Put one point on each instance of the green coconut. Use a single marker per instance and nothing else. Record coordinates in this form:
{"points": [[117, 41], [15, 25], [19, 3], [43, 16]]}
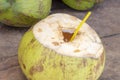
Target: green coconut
{"points": [[81, 4], [45, 52], [23, 13]]}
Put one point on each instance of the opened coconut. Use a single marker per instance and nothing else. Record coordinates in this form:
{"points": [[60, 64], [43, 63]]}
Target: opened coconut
{"points": [[45, 52]]}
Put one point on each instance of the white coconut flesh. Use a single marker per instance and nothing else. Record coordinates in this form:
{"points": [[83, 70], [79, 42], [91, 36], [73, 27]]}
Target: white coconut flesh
{"points": [[55, 31]]}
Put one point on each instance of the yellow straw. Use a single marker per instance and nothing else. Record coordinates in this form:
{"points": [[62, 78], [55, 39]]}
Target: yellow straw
{"points": [[80, 25]]}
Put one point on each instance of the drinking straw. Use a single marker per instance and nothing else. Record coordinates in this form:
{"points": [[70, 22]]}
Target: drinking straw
{"points": [[80, 25]]}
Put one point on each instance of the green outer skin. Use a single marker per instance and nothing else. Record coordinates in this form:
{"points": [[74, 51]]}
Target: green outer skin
{"points": [[40, 63], [23, 13], [81, 4]]}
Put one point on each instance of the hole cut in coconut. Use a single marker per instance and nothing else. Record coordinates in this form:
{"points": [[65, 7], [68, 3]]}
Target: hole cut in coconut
{"points": [[67, 34]]}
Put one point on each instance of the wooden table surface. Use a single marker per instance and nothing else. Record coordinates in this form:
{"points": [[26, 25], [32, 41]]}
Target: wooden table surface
{"points": [[105, 19]]}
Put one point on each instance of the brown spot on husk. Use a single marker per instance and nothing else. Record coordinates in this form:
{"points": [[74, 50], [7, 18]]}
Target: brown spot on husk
{"points": [[97, 67], [100, 63], [29, 79], [55, 43], [62, 65], [36, 68], [24, 66], [77, 50], [39, 30], [90, 77], [102, 58], [84, 62], [32, 41]]}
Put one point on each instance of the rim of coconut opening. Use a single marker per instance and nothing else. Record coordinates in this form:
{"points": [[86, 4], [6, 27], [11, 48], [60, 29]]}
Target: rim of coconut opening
{"points": [[49, 32]]}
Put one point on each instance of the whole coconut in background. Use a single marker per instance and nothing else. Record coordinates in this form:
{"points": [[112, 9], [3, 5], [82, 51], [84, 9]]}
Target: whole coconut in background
{"points": [[81, 4], [45, 52], [23, 13]]}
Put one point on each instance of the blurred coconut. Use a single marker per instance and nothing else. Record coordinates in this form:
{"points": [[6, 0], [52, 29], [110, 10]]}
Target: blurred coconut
{"points": [[23, 13], [81, 4]]}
